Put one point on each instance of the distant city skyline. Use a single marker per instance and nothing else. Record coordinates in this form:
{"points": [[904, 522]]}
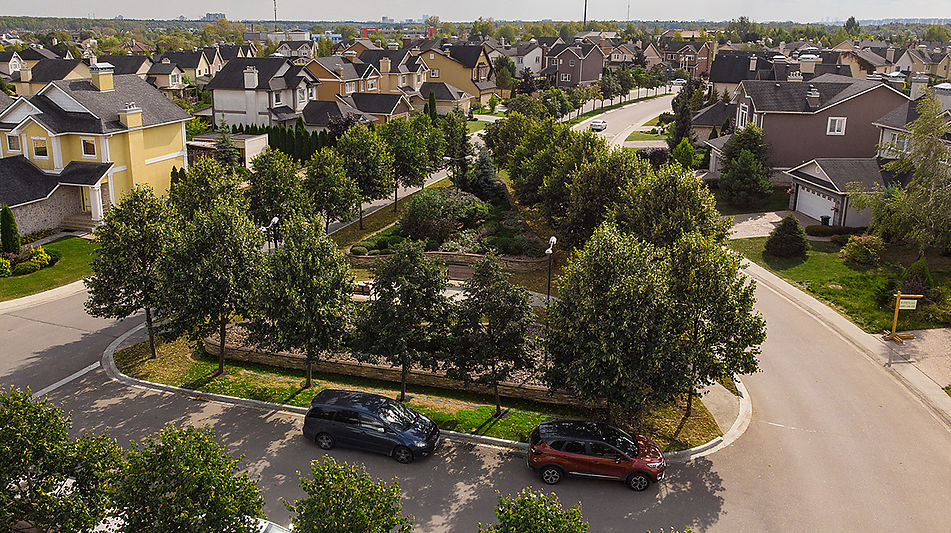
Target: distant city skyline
{"points": [[375, 10]]}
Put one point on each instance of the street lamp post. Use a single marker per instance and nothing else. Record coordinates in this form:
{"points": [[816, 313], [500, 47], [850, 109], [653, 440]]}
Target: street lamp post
{"points": [[267, 232], [469, 158], [549, 252]]}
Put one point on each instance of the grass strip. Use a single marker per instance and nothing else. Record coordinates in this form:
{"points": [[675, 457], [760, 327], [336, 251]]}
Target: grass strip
{"points": [[73, 266]]}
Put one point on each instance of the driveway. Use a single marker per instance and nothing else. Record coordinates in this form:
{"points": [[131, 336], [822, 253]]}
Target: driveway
{"points": [[748, 225]]}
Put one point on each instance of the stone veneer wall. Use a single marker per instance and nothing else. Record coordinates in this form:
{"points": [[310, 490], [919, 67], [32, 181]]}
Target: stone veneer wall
{"points": [[387, 373], [49, 213], [512, 263]]}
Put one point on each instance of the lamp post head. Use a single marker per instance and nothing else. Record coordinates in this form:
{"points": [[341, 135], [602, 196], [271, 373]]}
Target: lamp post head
{"points": [[273, 221], [552, 241]]}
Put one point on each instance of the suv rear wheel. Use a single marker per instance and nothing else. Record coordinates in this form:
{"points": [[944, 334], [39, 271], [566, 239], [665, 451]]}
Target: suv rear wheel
{"points": [[638, 481], [552, 474], [324, 440]]}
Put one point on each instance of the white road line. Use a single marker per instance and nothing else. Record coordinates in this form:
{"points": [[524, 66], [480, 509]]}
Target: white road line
{"points": [[67, 379]]}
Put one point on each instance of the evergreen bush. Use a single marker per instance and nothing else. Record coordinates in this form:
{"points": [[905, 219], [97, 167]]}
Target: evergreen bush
{"points": [[788, 239], [9, 235]]}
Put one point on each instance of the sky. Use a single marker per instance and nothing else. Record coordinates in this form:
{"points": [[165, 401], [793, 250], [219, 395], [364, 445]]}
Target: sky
{"points": [[368, 10]]}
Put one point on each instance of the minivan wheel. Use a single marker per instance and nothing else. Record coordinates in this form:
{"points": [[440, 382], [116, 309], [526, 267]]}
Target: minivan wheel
{"points": [[551, 475], [402, 454], [324, 440], [638, 481]]}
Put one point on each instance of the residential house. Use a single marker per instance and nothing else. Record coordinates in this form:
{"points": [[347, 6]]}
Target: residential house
{"points": [[674, 34], [127, 64], [231, 51], [267, 91], [626, 55], [382, 106], [75, 147], [574, 65], [711, 119], [400, 71], [448, 98], [249, 146], [35, 53], [465, 67], [525, 54], [340, 76], [935, 61], [865, 62], [828, 117], [357, 46], [319, 114], [301, 52], [10, 63], [199, 65], [168, 78], [694, 57], [31, 79], [132, 46], [731, 67]]}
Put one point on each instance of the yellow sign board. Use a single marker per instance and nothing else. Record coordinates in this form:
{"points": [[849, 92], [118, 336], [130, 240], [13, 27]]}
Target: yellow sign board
{"points": [[908, 304]]}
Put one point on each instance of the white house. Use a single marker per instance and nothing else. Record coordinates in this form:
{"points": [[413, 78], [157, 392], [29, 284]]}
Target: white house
{"points": [[268, 91]]}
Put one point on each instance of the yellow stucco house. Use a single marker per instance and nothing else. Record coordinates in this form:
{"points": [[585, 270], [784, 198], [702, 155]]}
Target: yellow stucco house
{"points": [[75, 147], [466, 67]]}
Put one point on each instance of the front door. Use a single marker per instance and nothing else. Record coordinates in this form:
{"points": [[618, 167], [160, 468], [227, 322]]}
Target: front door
{"points": [[84, 195]]}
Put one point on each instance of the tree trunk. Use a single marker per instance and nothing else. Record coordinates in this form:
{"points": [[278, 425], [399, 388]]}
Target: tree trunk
{"points": [[396, 196], [403, 375], [221, 348], [498, 401], [361, 215], [310, 373], [687, 412], [148, 326]]}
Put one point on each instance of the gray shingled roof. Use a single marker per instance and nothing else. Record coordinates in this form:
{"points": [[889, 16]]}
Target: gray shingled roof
{"points": [[734, 67], [714, 115], [350, 71], [5, 101], [718, 143], [466, 54], [866, 171], [124, 63], [377, 103], [36, 54], [184, 58], [231, 76], [53, 69], [83, 173], [901, 116], [320, 112], [790, 96], [22, 182], [160, 69], [580, 50], [443, 90]]}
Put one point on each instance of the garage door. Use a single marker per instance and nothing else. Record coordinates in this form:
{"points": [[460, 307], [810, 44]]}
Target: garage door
{"points": [[812, 204]]}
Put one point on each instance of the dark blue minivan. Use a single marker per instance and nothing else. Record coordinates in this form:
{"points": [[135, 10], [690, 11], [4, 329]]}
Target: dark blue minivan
{"points": [[371, 422]]}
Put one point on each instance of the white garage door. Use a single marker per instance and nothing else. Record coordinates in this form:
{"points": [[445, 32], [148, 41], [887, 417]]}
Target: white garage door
{"points": [[813, 205]]}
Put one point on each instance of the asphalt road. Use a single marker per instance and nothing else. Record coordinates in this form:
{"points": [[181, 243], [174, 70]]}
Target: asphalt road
{"points": [[622, 121]]}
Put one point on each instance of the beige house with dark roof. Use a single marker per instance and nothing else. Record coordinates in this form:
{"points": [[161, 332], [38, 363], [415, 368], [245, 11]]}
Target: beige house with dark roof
{"points": [[465, 67]]}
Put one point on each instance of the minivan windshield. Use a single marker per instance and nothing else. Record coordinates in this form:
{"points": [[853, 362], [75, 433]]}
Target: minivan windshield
{"points": [[398, 416], [623, 442]]}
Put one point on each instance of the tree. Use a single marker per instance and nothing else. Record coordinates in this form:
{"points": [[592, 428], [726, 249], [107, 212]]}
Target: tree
{"points": [[343, 498], [432, 21], [938, 34], [493, 102], [339, 124], [506, 34], [305, 300], [683, 116], [787, 239], [331, 191], [745, 182], [9, 234], [606, 336], [368, 161], [920, 211], [208, 275], [50, 480], [411, 162], [683, 154], [184, 481], [433, 111], [433, 139], [346, 31], [134, 237], [505, 72], [535, 512], [206, 182], [275, 187], [852, 27], [503, 136], [594, 189], [458, 147], [527, 83], [399, 323], [526, 105], [225, 151], [491, 332], [697, 100]]}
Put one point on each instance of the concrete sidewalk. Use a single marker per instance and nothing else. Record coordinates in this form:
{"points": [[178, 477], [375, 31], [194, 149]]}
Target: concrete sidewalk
{"points": [[918, 364]]}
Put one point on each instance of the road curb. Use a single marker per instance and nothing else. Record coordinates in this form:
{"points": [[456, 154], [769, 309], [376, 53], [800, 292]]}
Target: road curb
{"points": [[47, 296], [108, 363]]}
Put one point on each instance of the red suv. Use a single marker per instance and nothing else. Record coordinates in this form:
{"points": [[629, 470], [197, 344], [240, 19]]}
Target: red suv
{"points": [[594, 449]]}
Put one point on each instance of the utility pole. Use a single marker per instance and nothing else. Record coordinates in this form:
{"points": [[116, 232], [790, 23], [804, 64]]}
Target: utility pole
{"points": [[275, 15], [584, 21], [629, 11]]}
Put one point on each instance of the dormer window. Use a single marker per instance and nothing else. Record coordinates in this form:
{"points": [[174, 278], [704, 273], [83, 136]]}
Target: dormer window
{"points": [[13, 143], [350, 87]]}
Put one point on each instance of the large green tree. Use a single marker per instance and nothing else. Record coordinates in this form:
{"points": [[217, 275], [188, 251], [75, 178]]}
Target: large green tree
{"points": [[368, 161], [595, 188], [207, 277], [133, 239], [305, 299], [491, 330], [343, 498], [331, 191], [275, 187], [407, 311], [184, 481], [411, 161], [205, 182], [51, 480], [745, 177], [458, 147], [535, 512]]}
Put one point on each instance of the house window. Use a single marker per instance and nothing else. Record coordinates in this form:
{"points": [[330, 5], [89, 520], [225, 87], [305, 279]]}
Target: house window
{"points": [[571, 63], [566, 76], [432, 56], [301, 94], [403, 80], [89, 147], [371, 85], [836, 126], [13, 143], [743, 116], [434, 73], [173, 79], [311, 93], [351, 87], [277, 98], [39, 148]]}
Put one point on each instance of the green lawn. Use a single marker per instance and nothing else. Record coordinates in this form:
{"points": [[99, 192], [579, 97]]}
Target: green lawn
{"points": [[778, 201], [75, 265], [653, 122], [851, 289], [476, 125], [181, 365], [645, 136]]}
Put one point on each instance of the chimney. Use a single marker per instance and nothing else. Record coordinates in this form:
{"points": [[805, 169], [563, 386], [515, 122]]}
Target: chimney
{"points": [[92, 59], [890, 54], [794, 76], [807, 65], [812, 97], [102, 76], [752, 63], [338, 69], [384, 65], [918, 84], [26, 74], [165, 60], [131, 116], [250, 77]]}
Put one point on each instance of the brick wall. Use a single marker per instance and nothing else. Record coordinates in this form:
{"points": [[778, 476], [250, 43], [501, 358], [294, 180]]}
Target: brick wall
{"points": [[388, 373], [48, 213]]}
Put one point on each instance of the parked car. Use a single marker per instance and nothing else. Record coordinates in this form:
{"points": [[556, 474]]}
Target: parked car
{"points": [[371, 422], [679, 81], [599, 124], [593, 449]]}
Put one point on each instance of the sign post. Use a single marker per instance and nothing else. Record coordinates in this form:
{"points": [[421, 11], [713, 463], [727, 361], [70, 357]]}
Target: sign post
{"points": [[902, 301]]}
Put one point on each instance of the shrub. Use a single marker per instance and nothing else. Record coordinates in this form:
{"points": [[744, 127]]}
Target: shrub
{"points": [[37, 235], [665, 117], [373, 252], [841, 240], [885, 293], [787, 239], [864, 249], [450, 246], [530, 246], [818, 230], [358, 250], [657, 157], [490, 228], [55, 256], [25, 268], [39, 256], [5, 269], [9, 236], [512, 247], [431, 245], [919, 271], [382, 243], [438, 213], [365, 245], [393, 240]]}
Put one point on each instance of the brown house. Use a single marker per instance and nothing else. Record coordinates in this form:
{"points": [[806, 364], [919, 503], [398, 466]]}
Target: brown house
{"points": [[830, 117], [694, 57], [340, 77], [574, 65]]}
